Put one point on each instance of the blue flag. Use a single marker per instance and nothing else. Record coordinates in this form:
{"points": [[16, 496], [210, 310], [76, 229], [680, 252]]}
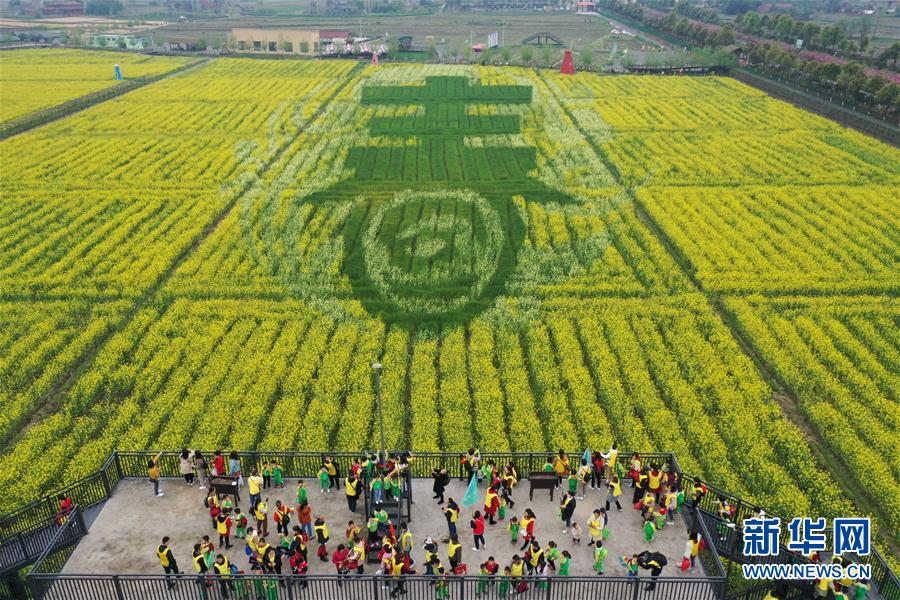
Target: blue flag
{"points": [[472, 496], [587, 455]]}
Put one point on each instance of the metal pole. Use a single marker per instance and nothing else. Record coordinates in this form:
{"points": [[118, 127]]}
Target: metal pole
{"points": [[377, 367]]}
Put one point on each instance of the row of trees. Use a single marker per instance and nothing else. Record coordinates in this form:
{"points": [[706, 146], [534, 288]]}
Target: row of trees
{"points": [[846, 82], [697, 12], [835, 39], [786, 29], [692, 33]]}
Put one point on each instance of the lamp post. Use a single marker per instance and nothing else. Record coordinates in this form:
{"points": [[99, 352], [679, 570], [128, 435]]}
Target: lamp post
{"points": [[377, 368]]}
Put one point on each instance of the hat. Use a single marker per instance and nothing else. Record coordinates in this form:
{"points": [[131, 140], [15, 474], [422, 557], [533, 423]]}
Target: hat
{"points": [[429, 541]]}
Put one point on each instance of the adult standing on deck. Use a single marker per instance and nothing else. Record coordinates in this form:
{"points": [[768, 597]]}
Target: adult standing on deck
{"points": [[566, 509], [222, 569], [254, 486], [199, 559], [167, 560], [186, 466], [153, 473], [451, 513], [441, 481], [201, 468], [351, 487], [234, 468], [561, 466]]}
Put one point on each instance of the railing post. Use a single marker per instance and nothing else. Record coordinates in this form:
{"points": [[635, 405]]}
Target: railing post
{"points": [[376, 586], [79, 518], [118, 586], [290, 587], [118, 464], [636, 587], [21, 538], [106, 488]]}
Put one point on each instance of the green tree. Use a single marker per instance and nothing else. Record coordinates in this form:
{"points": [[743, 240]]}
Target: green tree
{"points": [[889, 56], [587, 59], [887, 95], [505, 54], [527, 55], [725, 36], [852, 78]]}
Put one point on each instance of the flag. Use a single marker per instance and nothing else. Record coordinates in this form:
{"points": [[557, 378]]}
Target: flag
{"points": [[471, 497], [587, 455]]}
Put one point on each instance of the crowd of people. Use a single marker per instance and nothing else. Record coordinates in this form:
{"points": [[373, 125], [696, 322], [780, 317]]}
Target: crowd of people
{"points": [[596, 478], [657, 493]]}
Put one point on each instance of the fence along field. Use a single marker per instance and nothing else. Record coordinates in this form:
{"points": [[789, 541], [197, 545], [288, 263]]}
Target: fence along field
{"points": [[32, 80], [337, 226]]}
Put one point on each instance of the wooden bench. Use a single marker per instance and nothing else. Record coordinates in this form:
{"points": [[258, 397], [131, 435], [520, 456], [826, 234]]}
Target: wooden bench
{"points": [[541, 480]]}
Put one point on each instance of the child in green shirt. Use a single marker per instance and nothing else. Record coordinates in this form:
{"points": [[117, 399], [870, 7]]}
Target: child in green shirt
{"points": [[277, 475], [259, 584], [302, 496], [573, 483], [599, 557], [659, 519], [552, 554], [564, 562], [481, 586], [503, 588], [649, 529], [324, 480], [513, 528], [631, 565], [240, 524], [442, 588], [394, 483], [377, 488]]}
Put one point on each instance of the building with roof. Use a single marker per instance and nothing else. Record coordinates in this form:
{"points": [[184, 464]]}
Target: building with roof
{"points": [[303, 42]]}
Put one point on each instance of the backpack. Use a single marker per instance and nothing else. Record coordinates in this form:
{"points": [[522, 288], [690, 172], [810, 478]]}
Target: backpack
{"points": [[205, 501], [660, 558]]}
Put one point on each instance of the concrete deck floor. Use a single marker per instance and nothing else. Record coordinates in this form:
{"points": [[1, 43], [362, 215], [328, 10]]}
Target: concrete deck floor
{"points": [[123, 537]]}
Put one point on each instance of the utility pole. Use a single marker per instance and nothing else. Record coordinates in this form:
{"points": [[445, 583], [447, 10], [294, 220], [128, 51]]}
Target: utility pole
{"points": [[377, 368]]}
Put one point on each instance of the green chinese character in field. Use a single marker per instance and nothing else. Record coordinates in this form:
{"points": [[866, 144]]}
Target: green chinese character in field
{"points": [[423, 224], [438, 233]]}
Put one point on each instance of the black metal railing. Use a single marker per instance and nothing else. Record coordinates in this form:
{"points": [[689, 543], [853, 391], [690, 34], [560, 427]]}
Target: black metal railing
{"points": [[25, 547], [67, 534], [362, 587], [85, 492], [884, 579]]}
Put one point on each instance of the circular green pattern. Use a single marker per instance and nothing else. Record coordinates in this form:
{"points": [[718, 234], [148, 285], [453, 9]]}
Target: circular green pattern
{"points": [[433, 251]]}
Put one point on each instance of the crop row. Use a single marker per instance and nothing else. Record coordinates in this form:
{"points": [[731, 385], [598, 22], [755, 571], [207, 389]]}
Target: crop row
{"points": [[839, 361], [32, 80], [657, 378], [798, 239]]}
